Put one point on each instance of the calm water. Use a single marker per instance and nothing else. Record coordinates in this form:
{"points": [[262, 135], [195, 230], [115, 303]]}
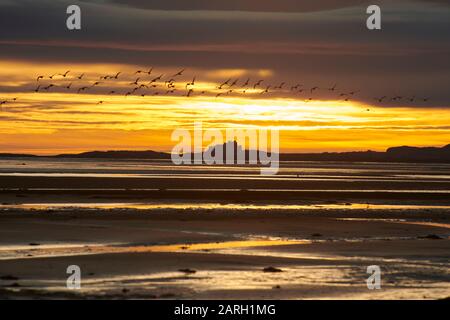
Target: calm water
{"points": [[288, 170], [333, 177]]}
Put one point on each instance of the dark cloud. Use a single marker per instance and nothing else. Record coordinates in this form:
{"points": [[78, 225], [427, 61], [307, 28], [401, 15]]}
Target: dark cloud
{"points": [[250, 5], [411, 53]]}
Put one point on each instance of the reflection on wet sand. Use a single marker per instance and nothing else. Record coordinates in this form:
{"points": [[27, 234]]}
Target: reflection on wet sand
{"points": [[207, 206], [23, 252]]}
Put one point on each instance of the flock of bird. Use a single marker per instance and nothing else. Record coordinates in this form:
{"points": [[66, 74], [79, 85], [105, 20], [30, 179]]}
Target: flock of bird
{"points": [[161, 84]]}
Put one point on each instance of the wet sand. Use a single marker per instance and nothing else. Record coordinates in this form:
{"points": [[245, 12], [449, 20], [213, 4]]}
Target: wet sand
{"points": [[132, 253], [150, 230]]}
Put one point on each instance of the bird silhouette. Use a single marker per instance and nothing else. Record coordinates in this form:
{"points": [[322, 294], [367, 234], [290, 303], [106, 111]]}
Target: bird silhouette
{"points": [[82, 89], [333, 88], [156, 79], [116, 76], [39, 77], [37, 89], [280, 86], [224, 84], [136, 82], [80, 76], [68, 86], [234, 83], [65, 73], [257, 84], [49, 86], [266, 90], [314, 89], [190, 92], [192, 83], [179, 73]]}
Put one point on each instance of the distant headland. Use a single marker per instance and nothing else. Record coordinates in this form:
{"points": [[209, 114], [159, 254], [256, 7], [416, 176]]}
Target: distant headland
{"points": [[394, 154]]}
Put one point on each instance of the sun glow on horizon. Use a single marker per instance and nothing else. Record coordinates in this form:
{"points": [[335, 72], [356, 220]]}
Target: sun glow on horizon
{"points": [[62, 120]]}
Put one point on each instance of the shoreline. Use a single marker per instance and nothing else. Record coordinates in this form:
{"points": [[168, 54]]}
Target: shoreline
{"points": [[129, 254]]}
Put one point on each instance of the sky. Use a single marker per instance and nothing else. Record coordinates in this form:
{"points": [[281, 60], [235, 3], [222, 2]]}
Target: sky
{"points": [[321, 44]]}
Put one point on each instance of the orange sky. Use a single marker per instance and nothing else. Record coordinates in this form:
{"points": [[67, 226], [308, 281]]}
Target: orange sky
{"points": [[62, 121]]}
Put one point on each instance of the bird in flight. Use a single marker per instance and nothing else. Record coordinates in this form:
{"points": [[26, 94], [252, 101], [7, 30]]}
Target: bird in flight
{"points": [[82, 89], [192, 83], [257, 84], [39, 77], [37, 89], [380, 99], [80, 76], [246, 83], [179, 73], [280, 86], [68, 86], [65, 73], [266, 90], [136, 82], [100, 102], [234, 83], [116, 76], [190, 92], [156, 79], [333, 87], [314, 89], [49, 86], [224, 84]]}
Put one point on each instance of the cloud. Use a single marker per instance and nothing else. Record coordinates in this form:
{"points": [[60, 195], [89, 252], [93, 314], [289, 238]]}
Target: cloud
{"points": [[308, 42]]}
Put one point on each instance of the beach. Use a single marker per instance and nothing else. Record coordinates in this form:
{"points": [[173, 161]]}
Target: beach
{"points": [[214, 234]]}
